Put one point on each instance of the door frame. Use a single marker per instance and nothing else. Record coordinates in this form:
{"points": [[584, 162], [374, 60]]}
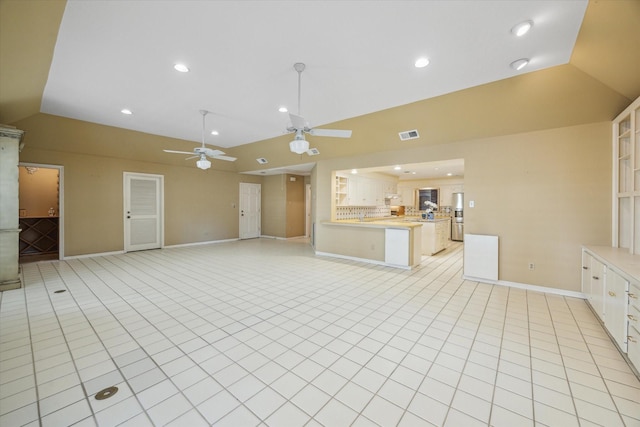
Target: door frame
{"points": [[125, 193], [60, 169]]}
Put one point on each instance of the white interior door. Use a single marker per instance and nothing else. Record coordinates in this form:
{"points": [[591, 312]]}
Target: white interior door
{"points": [[143, 211], [250, 199]]}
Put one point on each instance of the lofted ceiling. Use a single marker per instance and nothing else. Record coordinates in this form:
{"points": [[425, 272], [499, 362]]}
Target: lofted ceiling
{"points": [[360, 55]]}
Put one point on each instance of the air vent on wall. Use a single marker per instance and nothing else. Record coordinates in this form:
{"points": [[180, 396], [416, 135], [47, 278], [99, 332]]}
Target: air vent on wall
{"points": [[410, 134], [262, 161], [313, 152]]}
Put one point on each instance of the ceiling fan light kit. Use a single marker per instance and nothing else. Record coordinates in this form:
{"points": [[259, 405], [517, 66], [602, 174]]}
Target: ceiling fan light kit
{"points": [[299, 146], [202, 152], [203, 163]]}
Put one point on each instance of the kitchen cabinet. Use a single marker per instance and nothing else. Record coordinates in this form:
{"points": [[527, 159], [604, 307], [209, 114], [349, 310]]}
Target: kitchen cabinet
{"points": [[593, 282], [361, 191], [614, 295], [341, 187], [434, 236], [446, 193], [633, 316], [407, 196], [626, 178], [615, 307]]}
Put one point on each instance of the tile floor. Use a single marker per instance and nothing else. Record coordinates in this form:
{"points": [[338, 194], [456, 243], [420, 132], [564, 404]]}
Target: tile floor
{"points": [[262, 332]]}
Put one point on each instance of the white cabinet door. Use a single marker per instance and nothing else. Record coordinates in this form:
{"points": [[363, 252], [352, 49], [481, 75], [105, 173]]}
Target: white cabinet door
{"points": [[615, 311], [596, 287], [407, 196]]}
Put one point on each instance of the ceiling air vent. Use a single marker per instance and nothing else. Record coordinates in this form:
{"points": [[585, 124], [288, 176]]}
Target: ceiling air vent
{"points": [[262, 161], [410, 134], [313, 152]]}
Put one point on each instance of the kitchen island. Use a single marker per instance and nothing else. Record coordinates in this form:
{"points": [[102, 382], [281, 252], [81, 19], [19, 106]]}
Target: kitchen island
{"points": [[386, 241], [435, 234]]}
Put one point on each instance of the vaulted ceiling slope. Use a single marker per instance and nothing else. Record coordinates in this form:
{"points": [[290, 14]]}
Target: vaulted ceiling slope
{"points": [[594, 82]]}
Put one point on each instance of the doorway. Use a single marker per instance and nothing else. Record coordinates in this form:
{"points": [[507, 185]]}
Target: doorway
{"points": [[250, 216], [41, 196], [143, 211]]}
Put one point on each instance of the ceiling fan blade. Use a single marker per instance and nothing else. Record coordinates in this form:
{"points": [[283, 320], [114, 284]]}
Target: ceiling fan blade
{"points": [[336, 133], [192, 157], [178, 152], [227, 158], [209, 151], [298, 122]]}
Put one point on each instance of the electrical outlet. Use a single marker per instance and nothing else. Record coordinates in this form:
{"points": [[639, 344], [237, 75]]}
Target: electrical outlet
{"points": [[531, 266]]}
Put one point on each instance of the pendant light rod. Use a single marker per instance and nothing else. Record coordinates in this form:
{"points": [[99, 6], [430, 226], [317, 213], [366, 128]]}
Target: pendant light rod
{"points": [[204, 113], [299, 67]]}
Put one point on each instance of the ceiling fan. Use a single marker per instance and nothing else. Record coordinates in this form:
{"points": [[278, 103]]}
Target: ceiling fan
{"points": [[298, 125], [203, 152]]}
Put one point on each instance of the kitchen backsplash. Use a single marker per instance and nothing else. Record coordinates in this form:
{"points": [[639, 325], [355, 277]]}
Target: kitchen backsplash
{"points": [[354, 212]]}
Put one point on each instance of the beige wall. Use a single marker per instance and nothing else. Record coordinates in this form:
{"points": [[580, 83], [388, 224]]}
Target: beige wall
{"points": [[38, 191], [274, 203], [200, 205], [283, 206], [543, 193]]}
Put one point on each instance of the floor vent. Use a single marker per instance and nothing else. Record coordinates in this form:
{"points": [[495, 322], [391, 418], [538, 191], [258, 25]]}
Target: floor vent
{"points": [[410, 134]]}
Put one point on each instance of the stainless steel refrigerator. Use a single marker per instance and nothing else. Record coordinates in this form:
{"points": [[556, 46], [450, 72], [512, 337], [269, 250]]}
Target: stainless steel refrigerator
{"points": [[457, 222]]}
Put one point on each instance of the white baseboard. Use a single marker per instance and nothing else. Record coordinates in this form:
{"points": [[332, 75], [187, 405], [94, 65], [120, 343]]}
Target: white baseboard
{"points": [[209, 242], [91, 255], [528, 287], [264, 236], [365, 260]]}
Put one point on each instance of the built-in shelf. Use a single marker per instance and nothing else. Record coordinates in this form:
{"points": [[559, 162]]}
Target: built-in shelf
{"points": [[38, 236], [626, 179]]}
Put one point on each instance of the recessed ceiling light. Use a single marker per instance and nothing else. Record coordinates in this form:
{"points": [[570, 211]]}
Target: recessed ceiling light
{"points": [[283, 109], [215, 132], [522, 28], [126, 111], [421, 62], [354, 171], [519, 64], [397, 168], [181, 67], [449, 174]]}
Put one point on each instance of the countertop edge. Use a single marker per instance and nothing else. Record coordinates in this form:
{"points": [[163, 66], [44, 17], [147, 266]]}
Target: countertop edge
{"points": [[374, 224]]}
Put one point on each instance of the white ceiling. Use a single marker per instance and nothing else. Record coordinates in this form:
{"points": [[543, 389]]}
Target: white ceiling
{"points": [[112, 55]]}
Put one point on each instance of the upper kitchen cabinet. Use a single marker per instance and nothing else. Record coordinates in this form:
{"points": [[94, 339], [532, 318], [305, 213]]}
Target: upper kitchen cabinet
{"points": [[626, 179], [355, 190], [407, 196]]}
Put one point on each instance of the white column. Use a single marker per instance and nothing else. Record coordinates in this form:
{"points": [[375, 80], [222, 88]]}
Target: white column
{"points": [[9, 222]]}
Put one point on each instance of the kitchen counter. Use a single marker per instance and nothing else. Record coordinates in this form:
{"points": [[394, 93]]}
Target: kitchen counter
{"points": [[387, 241]]}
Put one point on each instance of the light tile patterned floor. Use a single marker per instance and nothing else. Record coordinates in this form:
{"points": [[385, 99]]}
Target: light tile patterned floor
{"points": [[262, 332]]}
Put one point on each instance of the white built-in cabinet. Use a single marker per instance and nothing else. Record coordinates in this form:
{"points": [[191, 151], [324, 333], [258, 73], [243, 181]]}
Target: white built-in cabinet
{"points": [[611, 283], [10, 139], [626, 179], [357, 190], [446, 193], [407, 196]]}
